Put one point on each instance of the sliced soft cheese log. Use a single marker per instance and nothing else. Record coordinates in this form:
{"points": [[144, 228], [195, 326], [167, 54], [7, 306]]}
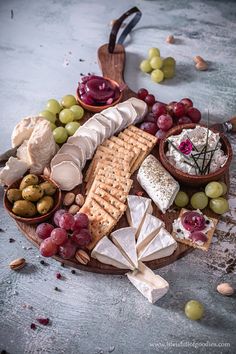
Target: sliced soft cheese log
{"points": [[84, 143], [124, 239], [163, 245], [67, 175], [94, 124], [106, 252], [74, 151], [24, 129], [151, 226], [91, 134], [108, 124], [151, 285], [128, 113], [137, 209], [58, 158], [140, 107], [13, 170], [113, 114]]}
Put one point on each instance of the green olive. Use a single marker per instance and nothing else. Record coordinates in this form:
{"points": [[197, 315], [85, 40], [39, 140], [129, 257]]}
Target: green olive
{"points": [[29, 180], [13, 195], [48, 187], [32, 193], [24, 208], [45, 204]]}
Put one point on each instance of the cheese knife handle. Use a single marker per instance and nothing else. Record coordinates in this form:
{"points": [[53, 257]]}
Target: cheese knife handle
{"points": [[230, 125], [5, 156]]}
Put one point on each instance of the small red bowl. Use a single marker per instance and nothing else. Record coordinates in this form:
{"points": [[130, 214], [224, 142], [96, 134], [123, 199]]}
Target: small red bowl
{"points": [[186, 178], [97, 109]]}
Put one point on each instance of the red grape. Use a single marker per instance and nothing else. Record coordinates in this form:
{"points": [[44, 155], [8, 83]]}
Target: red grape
{"points": [[48, 248], [160, 134], [194, 114], [187, 102], [59, 236], [158, 109], [150, 118], [170, 107], [149, 127], [67, 221], [142, 93], [184, 120], [150, 100], [165, 122], [44, 230], [57, 216], [81, 222], [82, 238], [67, 250], [179, 109]]}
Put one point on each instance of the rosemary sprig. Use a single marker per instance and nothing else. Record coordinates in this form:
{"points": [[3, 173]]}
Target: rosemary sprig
{"points": [[208, 166], [196, 163]]}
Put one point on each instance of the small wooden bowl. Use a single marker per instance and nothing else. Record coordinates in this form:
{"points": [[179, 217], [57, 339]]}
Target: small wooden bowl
{"points": [[36, 219], [186, 178], [97, 109]]}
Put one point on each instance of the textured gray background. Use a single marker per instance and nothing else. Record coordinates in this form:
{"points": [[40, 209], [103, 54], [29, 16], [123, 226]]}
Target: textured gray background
{"points": [[40, 48]]}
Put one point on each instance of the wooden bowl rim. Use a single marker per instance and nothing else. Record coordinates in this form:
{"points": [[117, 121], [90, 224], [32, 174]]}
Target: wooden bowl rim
{"points": [[98, 109], [36, 219], [176, 130]]}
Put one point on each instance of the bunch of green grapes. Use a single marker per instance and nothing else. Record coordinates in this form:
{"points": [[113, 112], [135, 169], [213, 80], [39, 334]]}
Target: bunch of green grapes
{"points": [[159, 68], [68, 112]]}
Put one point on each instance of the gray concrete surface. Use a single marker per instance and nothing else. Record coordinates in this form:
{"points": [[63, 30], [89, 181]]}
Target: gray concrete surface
{"points": [[41, 43]]}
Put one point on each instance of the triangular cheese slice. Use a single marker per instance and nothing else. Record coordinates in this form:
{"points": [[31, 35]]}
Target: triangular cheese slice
{"points": [[151, 285], [106, 252], [163, 245], [124, 239], [151, 226], [136, 211]]}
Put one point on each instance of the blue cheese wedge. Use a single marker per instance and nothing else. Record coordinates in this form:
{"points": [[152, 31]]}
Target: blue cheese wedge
{"points": [[136, 211], [158, 183], [150, 285]]}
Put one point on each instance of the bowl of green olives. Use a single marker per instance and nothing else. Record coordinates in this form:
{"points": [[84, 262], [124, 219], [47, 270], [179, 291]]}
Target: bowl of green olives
{"points": [[32, 199]]}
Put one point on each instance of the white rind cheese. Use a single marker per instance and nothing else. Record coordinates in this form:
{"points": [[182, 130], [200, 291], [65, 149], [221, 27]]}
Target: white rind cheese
{"points": [[137, 209], [24, 129], [66, 175], [140, 107], [13, 170]]}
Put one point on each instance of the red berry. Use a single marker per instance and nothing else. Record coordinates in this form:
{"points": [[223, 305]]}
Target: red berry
{"points": [[149, 127], [158, 109], [179, 109], [58, 275], [44, 230], [165, 122], [187, 102], [142, 93], [48, 248], [33, 326], [43, 321], [194, 114], [150, 100], [184, 120]]}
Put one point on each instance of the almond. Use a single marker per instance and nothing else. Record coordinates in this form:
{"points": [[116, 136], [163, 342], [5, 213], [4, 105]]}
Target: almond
{"points": [[17, 264], [225, 289], [69, 199], [170, 39], [74, 209], [79, 199], [201, 65], [197, 59], [82, 257]]}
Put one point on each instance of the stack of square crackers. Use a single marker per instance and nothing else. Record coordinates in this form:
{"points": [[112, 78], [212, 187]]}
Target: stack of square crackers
{"points": [[108, 179]]}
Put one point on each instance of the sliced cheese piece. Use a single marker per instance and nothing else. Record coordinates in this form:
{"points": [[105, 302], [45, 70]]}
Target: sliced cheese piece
{"points": [[151, 285], [108, 124], [76, 152], [94, 124], [106, 252], [128, 113], [140, 107], [58, 158], [113, 114], [24, 129], [93, 135], [84, 143], [124, 239], [136, 211], [163, 245], [151, 226], [13, 170], [67, 175]]}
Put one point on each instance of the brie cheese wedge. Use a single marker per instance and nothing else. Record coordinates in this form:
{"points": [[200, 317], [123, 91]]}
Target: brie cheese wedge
{"points": [[94, 124], [136, 211], [76, 152], [106, 252], [163, 245], [93, 135], [113, 114], [151, 226], [151, 285], [124, 239], [140, 107], [84, 143]]}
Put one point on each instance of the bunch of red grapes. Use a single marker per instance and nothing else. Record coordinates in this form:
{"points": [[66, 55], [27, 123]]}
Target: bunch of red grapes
{"points": [[69, 233], [163, 116]]}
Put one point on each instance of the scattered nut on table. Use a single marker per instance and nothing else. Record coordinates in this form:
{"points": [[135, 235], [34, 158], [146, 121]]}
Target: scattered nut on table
{"points": [[225, 289], [82, 257], [170, 39], [197, 58], [79, 199], [17, 263], [201, 66], [74, 208], [69, 199]]}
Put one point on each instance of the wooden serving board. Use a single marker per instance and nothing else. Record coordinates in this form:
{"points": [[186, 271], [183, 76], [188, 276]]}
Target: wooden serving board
{"points": [[112, 66]]}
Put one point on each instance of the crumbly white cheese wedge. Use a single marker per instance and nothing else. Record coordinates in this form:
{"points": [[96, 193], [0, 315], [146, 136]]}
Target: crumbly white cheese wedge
{"points": [[128, 113], [163, 245], [24, 129], [67, 175], [151, 285], [22, 152], [74, 151], [158, 183], [106, 252], [113, 114], [151, 226], [136, 211], [124, 239], [84, 143], [107, 123], [91, 134], [140, 107], [94, 124], [14, 169]]}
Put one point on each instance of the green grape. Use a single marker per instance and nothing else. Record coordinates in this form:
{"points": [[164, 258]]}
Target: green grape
{"points": [[224, 186], [169, 61], [60, 135], [156, 63], [52, 126], [157, 75], [78, 112], [214, 190], [145, 66], [181, 199], [72, 127], [66, 116], [48, 115], [168, 71], [68, 101], [199, 200], [153, 52], [194, 310], [53, 106], [219, 205]]}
